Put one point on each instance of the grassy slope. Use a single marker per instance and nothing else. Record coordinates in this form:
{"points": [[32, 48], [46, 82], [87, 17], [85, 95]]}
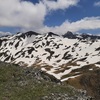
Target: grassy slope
{"points": [[18, 83]]}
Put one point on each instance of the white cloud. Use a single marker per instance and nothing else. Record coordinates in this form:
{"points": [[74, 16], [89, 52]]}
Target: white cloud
{"points": [[97, 4], [5, 33], [85, 23], [59, 4], [26, 15], [29, 16], [23, 14]]}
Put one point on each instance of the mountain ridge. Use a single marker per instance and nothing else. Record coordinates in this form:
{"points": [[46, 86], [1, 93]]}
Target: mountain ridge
{"points": [[54, 54]]}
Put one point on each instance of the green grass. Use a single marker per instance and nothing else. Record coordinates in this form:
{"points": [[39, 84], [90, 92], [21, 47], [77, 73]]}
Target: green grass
{"points": [[15, 84]]}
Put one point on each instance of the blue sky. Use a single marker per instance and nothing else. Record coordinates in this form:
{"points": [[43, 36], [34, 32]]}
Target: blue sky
{"points": [[85, 8], [45, 15]]}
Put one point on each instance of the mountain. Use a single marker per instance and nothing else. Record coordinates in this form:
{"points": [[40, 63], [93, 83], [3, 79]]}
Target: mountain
{"points": [[59, 53], [70, 35], [68, 58]]}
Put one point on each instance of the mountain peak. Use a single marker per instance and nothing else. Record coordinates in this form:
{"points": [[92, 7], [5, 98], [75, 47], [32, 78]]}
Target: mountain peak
{"points": [[29, 33], [52, 34], [70, 35]]}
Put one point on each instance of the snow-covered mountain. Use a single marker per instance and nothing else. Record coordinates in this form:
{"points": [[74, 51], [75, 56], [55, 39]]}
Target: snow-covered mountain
{"points": [[64, 57]]}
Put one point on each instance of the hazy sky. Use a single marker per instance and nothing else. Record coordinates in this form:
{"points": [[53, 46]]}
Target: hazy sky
{"points": [[58, 16]]}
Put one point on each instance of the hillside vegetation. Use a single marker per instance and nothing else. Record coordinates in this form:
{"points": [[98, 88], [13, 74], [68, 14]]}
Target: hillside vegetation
{"points": [[21, 83]]}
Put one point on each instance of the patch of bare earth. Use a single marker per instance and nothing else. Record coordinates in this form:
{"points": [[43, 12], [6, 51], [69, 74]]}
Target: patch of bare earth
{"points": [[88, 80]]}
